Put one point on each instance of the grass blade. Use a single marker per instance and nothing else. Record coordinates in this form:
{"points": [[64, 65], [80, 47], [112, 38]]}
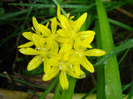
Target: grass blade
{"points": [[90, 92], [112, 85], [22, 81], [100, 69], [49, 88], [131, 92], [128, 44]]}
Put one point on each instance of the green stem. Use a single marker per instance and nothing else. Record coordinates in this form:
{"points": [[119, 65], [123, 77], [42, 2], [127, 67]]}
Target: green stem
{"points": [[49, 88], [112, 84], [65, 94], [57, 94]]}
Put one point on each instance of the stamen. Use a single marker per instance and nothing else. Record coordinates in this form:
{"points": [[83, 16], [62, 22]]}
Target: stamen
{"points": [[71, 66], [60, 67]]}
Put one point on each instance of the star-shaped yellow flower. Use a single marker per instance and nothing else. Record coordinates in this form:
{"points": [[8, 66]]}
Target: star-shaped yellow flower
{"points": [[65, 64], [49, 35], [62, 51], [41, 51], [69, 31], [43, 38], [82, 52]]}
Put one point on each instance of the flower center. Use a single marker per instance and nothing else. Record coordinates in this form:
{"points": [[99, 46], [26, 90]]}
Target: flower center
{"points": [[43, 52], [53, 36], [80, 54], [63, 66], [73, 35]]}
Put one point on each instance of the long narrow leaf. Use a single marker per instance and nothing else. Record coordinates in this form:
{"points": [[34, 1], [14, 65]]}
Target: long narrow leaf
{"points": [[112, 85], [126, 45]]}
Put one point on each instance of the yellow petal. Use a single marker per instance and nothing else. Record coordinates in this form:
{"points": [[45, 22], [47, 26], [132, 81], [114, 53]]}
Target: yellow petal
{"points": [[79, 71], [69, 55], [44, 30], [46, 65], [86, 42], [79, 22], [73, 74], [49, 44], [27, 35], [64, 23], [62, 40], [53, 25], [51, 74], [68, 15], [86, 45], [86, 34], [77, 44], [87, 65], [55, 47], [66, 47], [71, 17], [63, 33], [34, 63], [42, 41], [75, 60], [36, 39], [95, 52], [63, 80], [47, 24], [53, 62], [58, 12], [29, 51], [35, 23], [89, 39], [28, 44]]}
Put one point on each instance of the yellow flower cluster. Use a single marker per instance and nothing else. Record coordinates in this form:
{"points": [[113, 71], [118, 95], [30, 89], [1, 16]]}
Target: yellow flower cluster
{"points": [[62, 51]]}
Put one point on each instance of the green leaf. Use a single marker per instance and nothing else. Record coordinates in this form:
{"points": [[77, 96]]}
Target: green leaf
{"points": [[112, 84], [121, 24], [49, 5], [13, 14], [131, 92], [90, 92], [126, 86], [118, 49]]}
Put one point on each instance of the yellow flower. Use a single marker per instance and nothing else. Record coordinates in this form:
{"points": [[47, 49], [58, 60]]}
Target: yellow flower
{"points": [[43, 38], [37, 30], [62, 51], [80, 40], [81, 52], [69, 31], [49, 35], [41, 51], [65, 64]]}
